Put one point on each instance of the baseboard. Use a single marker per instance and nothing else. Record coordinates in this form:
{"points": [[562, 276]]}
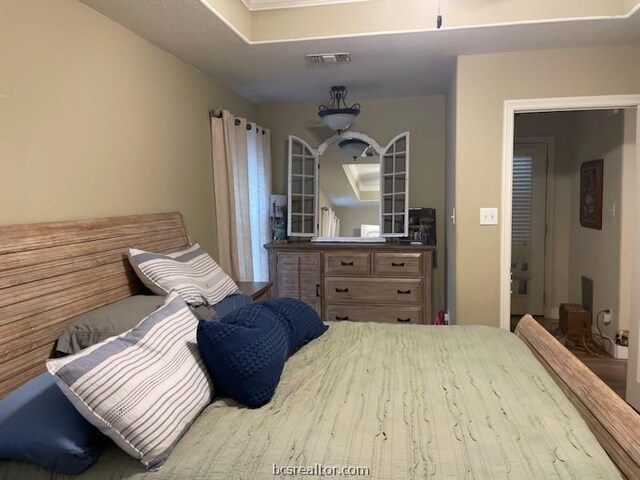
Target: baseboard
{"points": [[552, 312]]}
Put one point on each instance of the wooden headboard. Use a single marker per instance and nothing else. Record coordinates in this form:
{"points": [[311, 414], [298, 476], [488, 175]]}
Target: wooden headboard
{"points": [[53, 272]]}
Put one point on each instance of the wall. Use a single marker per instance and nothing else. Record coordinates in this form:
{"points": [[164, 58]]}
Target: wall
{"points": [[595, 253], [602, 255], [351, 218], [323, 200], [95, 121], [382, 119], [450, 198], [484, 82]]}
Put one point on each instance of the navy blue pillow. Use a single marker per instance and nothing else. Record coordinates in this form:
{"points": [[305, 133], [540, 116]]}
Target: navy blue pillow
{"points": [[300, 321], [231, 303], [244, 352], [39, 425]]}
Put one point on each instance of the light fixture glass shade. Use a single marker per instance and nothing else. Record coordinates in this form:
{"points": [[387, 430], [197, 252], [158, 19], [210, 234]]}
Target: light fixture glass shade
{"points": [[338, 120], [353, 147], [337, 115]]}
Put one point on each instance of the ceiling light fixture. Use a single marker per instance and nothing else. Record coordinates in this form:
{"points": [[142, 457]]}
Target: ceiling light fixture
{"points": [[336, 114], [354, 147]]}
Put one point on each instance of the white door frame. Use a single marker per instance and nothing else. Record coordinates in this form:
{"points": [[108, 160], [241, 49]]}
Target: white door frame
{"points": [[511, 108], [549, 202]]}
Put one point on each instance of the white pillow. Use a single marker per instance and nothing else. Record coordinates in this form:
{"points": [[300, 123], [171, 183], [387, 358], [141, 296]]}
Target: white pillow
{"points": [[192, 273], [144, 388]]}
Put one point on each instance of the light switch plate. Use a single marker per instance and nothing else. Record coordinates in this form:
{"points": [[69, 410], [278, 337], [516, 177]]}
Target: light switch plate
{"points": [[488, 216]]}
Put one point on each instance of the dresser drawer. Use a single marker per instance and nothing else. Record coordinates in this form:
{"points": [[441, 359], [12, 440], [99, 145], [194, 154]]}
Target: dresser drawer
{"points": [[347, 263], [380, 314], [373, 290], [397, 264]]}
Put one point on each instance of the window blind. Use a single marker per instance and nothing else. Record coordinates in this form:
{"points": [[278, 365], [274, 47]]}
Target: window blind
{"points": [[522, 200]]}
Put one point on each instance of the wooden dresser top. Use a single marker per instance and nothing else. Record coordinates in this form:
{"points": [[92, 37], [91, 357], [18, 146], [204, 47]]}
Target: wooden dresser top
{"points": [[347, 246]]}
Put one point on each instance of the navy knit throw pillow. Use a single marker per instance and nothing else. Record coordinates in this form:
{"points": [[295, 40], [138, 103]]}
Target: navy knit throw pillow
{"points": [[300, 321], [245, 352]]}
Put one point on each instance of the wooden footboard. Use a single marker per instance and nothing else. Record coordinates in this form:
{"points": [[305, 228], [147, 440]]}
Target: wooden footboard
{"points": [[614, 423]]}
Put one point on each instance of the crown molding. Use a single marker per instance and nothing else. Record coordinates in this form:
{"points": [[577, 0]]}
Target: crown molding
{"points": [[256, 5]]}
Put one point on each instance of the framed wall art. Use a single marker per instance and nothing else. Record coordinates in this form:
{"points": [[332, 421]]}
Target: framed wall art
{"points": [[591, 194]]}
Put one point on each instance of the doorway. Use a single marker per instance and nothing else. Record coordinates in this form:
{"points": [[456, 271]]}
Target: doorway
{"points": [[512, 108]]}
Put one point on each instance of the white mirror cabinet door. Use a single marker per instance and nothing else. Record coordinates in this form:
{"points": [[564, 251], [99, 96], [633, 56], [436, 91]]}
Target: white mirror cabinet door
{"points": [[303, 189], [394, 188]]}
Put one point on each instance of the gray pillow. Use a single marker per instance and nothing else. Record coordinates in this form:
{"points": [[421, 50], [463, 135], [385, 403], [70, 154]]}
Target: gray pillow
{"points": [[104, 322]]}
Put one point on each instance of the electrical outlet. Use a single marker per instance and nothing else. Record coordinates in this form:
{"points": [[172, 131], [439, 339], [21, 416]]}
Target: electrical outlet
{"points": [[607, 318]]}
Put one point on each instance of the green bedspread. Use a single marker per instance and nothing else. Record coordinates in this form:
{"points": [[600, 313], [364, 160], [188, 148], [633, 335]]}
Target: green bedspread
{"points": [[404, 401]]}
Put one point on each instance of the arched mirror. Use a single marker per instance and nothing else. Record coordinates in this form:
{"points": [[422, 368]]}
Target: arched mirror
{"points": [[349, 187]]}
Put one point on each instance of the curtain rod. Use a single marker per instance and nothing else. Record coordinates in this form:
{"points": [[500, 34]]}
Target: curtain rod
{"points": [[218, 114]]}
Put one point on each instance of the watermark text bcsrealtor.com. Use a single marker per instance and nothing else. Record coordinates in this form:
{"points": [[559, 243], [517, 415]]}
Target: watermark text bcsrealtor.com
{"points": [[320, 470]]}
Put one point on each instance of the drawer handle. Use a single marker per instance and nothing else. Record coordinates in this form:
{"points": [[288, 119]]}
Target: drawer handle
{"points": [[404, 292], [342, 290], [338, 317], [404, 320], [346, 264], [397, 264], [317, 290]]}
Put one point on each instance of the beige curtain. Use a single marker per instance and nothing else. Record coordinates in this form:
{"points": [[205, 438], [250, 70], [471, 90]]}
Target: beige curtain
{"points": [[259, 157], [241, 180], [329, 223]]}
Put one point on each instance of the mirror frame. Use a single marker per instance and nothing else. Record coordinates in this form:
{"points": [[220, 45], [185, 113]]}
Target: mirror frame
{"points": [[342, 136], [317, 153]]}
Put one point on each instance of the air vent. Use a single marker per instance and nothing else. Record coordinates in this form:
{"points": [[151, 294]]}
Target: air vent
{"points": [[329, 58]]}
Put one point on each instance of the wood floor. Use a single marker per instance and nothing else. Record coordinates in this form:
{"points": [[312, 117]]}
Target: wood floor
{"points": [[611, 371]]}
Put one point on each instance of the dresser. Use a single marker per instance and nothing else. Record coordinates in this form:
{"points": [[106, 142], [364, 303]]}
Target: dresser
{"points": [[389, 283]]}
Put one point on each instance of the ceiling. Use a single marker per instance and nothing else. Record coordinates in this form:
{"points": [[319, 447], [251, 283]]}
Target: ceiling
{"points": [[364, 179], [383, 64]]}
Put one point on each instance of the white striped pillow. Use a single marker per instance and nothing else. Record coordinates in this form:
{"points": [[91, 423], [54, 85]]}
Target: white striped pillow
{"points": [[192, 273], [144, 388]]}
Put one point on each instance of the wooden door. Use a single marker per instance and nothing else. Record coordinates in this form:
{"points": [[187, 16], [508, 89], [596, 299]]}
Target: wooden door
{"points": [[633, 364], [299, 277]]}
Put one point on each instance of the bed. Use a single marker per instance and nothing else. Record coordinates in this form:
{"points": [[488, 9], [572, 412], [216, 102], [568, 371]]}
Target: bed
{"points": [[401, 401]]}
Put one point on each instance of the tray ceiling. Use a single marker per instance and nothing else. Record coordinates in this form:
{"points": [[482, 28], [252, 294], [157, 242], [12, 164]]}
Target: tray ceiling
{"points": [[385, 64]]}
